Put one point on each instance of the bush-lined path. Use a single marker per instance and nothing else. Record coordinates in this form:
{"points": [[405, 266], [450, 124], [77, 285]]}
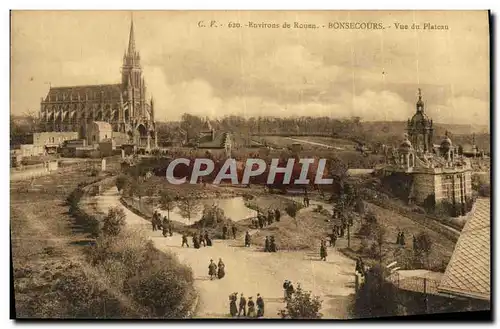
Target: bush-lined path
{"points": [[251, 271]]}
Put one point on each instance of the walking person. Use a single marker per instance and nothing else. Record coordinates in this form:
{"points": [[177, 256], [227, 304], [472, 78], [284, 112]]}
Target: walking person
{"points": [[153, 221], [170, 228], [322, 251], [184, 241], [212, 269], [285, 289], [234, 231], [233, 310], [164, 226], [208, 240], [243, 305], [277, 214], [266, 245], [221, 269], [261, 221], [290, 290], [247, 239], [251, 308], [402, 241], [272, 245], [270, 216], [202, 240], [260, 306], [306, 201], [196, 242], [333, 239]]}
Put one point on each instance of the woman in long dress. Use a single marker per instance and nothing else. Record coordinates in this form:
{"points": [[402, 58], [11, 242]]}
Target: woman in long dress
{"points": [[251, 308], [233, 309], [221, 269], [322, 251]]}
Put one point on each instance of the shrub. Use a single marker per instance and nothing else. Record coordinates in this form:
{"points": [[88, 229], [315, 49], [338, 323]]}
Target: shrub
{"points": [[164, 291], [359, 206], [114, 222], [422, 245], [485, 190], [376, 297], [121, 182], [302, 305], [152, 279]]}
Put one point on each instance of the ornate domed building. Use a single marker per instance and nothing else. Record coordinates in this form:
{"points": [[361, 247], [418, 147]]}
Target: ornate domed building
{"points": [[420, 127], [433, 176]]}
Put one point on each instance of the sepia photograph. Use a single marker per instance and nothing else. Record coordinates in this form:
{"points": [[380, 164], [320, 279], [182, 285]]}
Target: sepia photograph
{"points": [[250, 165]]}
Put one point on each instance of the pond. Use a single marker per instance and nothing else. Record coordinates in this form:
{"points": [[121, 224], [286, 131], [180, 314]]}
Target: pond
{"points": [[234, 208]]}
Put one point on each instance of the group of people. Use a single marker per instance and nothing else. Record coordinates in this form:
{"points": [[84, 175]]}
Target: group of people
{"points": [[262, 220], [158, 224], [225, 232], [270, 244], [288, 289], [216, 270], [246, 308], [401, 238], [198, 240]]}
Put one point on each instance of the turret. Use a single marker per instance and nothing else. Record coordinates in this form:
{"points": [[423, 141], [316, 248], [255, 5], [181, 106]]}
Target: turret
{"points": [[152, 105], [420, 102]]}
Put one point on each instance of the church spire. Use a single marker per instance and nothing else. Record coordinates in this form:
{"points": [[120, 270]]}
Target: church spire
{"points": [[131, 39], [420, 102]]}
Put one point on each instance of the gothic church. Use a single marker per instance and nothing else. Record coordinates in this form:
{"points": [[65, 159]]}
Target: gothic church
{"points": [[122, 105]]}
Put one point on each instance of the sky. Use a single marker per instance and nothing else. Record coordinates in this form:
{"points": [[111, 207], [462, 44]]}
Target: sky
{"points": [[373, 74]]}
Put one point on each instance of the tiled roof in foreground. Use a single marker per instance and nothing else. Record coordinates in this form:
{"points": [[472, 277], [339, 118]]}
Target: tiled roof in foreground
{"points": [[468, 273]]}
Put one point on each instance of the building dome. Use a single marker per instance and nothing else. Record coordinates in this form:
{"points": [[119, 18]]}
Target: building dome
{"points": [[420, 119], [405, 145], [446, 143]]}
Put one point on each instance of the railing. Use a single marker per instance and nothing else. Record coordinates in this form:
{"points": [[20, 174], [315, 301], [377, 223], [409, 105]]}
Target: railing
{"points": [[422, 285]]}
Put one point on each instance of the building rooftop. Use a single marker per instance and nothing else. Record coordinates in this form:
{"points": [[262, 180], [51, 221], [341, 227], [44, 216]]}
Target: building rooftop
{"points": [[103, 125], [205, 142], [66, 93], [468, 272]]}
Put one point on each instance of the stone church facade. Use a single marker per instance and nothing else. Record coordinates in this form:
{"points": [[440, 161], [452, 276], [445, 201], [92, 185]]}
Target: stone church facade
{"points": [[122, 105], [434, 173]]}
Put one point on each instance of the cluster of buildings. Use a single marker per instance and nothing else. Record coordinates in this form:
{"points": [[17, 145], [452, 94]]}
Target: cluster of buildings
{"points": [[81, 120]]}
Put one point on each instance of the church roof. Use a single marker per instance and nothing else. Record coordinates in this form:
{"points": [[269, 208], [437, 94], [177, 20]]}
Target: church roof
{"points": [[468, 272], [420, 117], [102, 125], [93, 92]]}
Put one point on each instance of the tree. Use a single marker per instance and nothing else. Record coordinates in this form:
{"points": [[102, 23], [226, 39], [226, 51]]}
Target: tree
{"points": [[121, 182], [422, 246], [114, 222], [379, 240], [338, 171], [376, 297], [189, 207], [302, 305], [167, 202]]}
